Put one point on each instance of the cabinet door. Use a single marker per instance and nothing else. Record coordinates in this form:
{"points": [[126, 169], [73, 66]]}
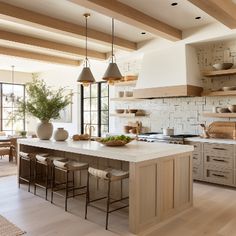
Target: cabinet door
{"points": [[219, 176]]}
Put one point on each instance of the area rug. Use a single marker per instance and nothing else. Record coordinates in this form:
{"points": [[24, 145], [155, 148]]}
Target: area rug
{"points": [[7, 168], [9, 229]]}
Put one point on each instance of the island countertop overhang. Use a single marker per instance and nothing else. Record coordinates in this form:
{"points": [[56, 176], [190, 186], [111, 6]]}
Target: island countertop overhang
{"points": [[135, 151]]}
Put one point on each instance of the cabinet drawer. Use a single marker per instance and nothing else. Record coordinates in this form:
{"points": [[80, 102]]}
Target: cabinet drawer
{"points": [[197, 159], [218, 176], [226, 150], [197, 172], [224, 162]]}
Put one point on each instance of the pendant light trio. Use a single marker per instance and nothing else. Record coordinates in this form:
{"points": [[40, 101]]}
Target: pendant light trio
{"points": [[112, 73]]}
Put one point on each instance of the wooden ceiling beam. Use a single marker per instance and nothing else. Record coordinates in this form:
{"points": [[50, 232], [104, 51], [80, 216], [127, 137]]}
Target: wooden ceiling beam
{"points": [[34, 19], [132, 16], [38, 56], [23, 39], [222, 10]]}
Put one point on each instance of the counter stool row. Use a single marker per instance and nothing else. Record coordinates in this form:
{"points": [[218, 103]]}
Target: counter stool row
{"points": [[47, 180]]}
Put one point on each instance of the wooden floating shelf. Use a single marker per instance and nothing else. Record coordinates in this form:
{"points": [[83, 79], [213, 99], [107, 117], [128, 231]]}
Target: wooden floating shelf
{"points": [[125, 99], [220, 115], [220, 93], [217, 73], [126, 83], [126, 115]]}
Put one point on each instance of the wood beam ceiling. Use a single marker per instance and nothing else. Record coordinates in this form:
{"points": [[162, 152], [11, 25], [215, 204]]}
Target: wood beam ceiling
{"points": [[222, 10], [30, 18], [23, 39], [38, 56], [131, 16]]}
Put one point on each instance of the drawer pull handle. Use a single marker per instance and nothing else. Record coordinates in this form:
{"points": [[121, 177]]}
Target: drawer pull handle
{"points": [[195, 158], [217, 175], [223, 149], [218, 160]]}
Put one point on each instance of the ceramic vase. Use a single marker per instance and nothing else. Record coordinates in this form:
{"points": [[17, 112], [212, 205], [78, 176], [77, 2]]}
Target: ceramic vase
{"points": [[61, 134], [44, 130]]}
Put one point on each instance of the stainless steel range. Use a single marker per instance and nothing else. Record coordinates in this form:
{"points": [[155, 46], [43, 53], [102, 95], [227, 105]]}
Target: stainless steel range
{"points": [[159, 137]]}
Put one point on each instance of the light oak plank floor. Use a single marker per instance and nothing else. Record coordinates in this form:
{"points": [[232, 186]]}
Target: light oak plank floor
{"points": [[213, 214]]}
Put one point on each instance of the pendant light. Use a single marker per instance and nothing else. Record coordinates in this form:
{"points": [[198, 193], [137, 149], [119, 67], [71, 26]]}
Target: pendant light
{"points": [[11, 96], [86, 77], [112, 73]]}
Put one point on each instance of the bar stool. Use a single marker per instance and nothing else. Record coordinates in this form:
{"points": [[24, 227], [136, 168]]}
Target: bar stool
{"points": [[67, 166], [45, 161], [109, 175], [28, 158]]}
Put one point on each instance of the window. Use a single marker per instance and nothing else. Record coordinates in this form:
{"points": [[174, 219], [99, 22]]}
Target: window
{"points": [[9, 122], [95, 108]]}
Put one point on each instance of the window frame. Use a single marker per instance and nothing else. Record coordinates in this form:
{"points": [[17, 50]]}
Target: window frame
{"points": [[2, 107], [99, 105]]}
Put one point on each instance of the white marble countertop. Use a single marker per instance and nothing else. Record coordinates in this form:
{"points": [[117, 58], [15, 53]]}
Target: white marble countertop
{"points": [[133, 152], [211, 140]]}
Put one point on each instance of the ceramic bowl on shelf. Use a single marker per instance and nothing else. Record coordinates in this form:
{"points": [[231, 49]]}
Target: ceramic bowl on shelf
{"points": [[232, 108], [232, 88], [222, 66], [133, 110], [222, 110], [120, 111], [128, 94]]}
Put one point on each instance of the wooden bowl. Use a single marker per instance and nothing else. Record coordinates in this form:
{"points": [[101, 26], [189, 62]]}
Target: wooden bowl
{"points": [[114, 143], [133, 110], [120, 111], [222, 110], [232, 108], [222, 66]]}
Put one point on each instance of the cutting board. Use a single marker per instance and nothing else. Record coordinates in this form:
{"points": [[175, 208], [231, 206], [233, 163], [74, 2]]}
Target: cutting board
{"points": [[220, 129]]}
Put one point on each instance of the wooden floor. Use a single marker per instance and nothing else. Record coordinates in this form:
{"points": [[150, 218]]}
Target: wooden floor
{"points": [[7, 168], [213, 214]]}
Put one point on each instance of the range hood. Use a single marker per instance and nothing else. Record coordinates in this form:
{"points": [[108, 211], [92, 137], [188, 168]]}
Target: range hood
{"points": [[171, 72]]}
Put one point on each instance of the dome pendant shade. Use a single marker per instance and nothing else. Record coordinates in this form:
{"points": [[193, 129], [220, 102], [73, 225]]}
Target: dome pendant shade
{"points": [[86, 76], [112, 72]]}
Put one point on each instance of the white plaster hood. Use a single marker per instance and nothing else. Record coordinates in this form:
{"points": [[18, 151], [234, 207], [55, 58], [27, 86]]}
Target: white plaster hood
{"points": [[169, 72]]}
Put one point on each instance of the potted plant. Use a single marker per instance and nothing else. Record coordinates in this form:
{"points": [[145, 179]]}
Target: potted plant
{"points": [[45, 104]]}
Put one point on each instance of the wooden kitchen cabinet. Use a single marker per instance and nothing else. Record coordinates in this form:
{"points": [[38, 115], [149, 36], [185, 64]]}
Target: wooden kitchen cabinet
{"points": [[197, 160]]}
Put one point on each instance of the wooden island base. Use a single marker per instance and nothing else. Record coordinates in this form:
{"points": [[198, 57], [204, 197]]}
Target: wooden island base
{"points": [[158, 188]]}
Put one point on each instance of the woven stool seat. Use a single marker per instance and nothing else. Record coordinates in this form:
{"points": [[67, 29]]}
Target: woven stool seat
{"points": [[47, 160], [31, 155], [112, 174], [70, 165]]}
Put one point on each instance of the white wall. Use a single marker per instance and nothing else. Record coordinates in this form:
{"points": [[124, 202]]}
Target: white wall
{"points": [[19, 77], [67, 78]]}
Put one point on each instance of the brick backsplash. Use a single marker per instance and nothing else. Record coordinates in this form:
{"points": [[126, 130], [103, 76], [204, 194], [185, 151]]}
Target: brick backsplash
{"points": [[184, 114]]}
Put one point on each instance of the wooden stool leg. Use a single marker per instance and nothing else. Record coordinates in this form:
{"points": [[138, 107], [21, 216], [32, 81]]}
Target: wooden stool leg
{"points": [[46, 183], [52, 183], [29, 175], [35, 177], [87, 197], [20, 163], [108, 202], [73, 182], [66, 199]]}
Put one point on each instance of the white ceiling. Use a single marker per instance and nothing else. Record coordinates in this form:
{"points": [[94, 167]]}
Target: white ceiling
{"points": [[181, 16], [27, 65]]}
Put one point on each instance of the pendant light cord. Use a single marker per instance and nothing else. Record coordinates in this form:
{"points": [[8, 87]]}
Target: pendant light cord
{"points": [[112, 41], [86, 41], [12, 78]]}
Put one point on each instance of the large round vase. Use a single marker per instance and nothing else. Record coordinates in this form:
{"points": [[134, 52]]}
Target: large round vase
{"points": [[61, 134], [44, 130]]}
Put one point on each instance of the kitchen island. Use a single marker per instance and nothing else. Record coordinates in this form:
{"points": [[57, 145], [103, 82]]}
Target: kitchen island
{"points": [[160, 182]]}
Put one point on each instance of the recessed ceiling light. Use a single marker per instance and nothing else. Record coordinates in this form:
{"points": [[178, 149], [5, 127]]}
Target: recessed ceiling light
{"points": [[143, 32], [198, 17], [174, 4]]}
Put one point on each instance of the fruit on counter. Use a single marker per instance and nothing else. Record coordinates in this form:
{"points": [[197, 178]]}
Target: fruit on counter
{"points": [[78, 137], [116, 138]]}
